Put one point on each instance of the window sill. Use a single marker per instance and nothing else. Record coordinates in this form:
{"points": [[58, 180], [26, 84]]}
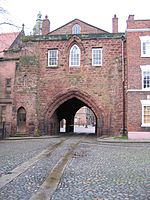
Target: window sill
{"points": [[52, 67], [96, 65], [145, 89], [145, 56], [138, 90], [145, 125]]}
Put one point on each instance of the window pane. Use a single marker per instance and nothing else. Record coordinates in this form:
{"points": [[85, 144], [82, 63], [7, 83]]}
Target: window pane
{"points": [[2, 113], [8, 88], [97, 56], [146, 80], [75, 56], [146, 114], [146, 48], [76, 29], [53, 57]]}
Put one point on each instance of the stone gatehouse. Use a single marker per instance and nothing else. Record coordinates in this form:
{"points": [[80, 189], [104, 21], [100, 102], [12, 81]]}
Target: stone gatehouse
{"points": [[58, 72], [61, 72]]}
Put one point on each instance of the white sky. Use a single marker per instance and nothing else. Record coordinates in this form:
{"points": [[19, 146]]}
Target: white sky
{"points": [[96, 12]]}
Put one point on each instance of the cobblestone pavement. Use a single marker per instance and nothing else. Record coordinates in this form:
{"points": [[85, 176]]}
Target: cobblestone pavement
{"points": [[75, 168], [15, 152]]}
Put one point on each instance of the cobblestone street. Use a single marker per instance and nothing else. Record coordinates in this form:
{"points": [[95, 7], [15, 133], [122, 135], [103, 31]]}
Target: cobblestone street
{"points": [[74, 168]]}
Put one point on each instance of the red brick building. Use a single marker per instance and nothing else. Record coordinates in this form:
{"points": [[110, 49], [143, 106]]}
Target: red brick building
{"points": [[10, 43], [138, 75], [84, 117], [77, 65]]}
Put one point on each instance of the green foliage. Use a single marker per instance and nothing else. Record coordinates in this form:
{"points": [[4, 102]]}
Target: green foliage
{"points": [[121, 137], [29, 60], [36, 132], [26, 38]]}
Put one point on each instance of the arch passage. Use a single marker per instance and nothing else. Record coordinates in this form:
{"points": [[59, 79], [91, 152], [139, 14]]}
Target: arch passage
{"points": [[65, 106], [68, 110]]}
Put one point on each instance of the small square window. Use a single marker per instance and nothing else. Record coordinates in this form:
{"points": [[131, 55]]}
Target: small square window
{"points": [[96, 56], [145, 77], [145, 46], [53, 58], [145, 113]]}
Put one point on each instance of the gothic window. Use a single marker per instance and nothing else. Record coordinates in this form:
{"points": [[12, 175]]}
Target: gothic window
{"points": [[96, 56], [76, 29], [74, 58], [53, 58]]}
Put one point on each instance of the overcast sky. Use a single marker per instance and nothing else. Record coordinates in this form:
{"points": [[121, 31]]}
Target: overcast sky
{"points": [[95, 12]]}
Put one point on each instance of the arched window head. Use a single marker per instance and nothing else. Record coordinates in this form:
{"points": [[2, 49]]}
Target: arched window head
{"points": [[76, 29], [74, 57]]}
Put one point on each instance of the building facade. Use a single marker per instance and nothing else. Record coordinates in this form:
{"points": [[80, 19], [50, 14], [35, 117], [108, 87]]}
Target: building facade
{"points": [[9, 47], [138, 75], [56, 73]]}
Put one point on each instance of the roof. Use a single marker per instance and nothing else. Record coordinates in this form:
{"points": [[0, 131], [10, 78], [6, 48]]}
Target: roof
{"points": [[6, 40], [92, 36], [87, 25]]}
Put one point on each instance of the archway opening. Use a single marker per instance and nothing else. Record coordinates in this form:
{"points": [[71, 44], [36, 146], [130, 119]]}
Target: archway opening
{"points": [[62, 125], [84, 121], [75, 116]]}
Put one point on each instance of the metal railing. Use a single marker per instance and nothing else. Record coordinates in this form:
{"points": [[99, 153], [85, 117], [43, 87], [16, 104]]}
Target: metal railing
{"points": [[5, 130], [2, 130]]}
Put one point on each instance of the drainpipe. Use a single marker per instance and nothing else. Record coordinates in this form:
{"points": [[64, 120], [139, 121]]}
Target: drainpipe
{"points": [[123, 88]]}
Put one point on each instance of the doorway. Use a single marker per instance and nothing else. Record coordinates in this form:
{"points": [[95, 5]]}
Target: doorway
{"points": [[21, 120]]}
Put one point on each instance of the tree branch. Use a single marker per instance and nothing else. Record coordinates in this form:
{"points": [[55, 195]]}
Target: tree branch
{"points": [[2, 10], [10, 24]]}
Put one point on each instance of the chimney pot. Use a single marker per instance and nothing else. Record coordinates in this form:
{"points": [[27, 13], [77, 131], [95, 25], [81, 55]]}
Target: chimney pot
{"points": [[131, 17]]}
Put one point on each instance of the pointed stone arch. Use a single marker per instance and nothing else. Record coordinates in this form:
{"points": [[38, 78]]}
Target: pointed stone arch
{"points": [[61, 98], [75, 40]]}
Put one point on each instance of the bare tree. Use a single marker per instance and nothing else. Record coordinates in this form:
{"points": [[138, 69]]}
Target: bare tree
{"points": [[2, 12]]}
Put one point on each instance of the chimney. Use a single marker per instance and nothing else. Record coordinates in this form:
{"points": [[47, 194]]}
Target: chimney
{"points": [[45, 26], [115, 24], [131, 17]]}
